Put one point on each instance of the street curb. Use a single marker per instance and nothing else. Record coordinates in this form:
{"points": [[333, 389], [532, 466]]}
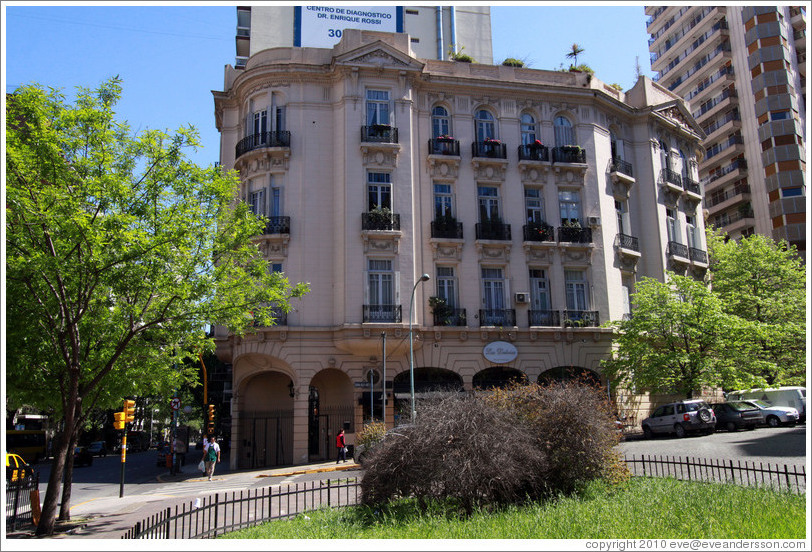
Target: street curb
{"points": [[314, 470]]}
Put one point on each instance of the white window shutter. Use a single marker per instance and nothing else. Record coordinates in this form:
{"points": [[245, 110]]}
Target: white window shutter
{"points": [[397, 287], [508, 301], [366, 287]]}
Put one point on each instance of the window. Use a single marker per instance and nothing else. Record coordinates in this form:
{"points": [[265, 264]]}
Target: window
{"points": [[488, 203], [528, 129], [539, 290], [276, 202], [616, 145], [447, 285], [684, 162], [380, 278], [576, 288], [485, 127], [377, 107], [260, 122], [257, 202], [493, 290], [671, 225], [664, 149], [569, 206], [443, 201], [779, 115], [379, 191], [690, 231], [276, 267], [440, 123], [564, 134], [792, 192], [621, 211], [533, 205]]}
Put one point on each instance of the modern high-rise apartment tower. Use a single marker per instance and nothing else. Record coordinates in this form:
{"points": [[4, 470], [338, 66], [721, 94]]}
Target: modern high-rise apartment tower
{"points": [[743, 71]]}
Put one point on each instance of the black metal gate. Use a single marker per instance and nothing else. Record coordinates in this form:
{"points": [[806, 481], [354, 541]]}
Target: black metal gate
{"points": [[328, 422], [266, 439]]}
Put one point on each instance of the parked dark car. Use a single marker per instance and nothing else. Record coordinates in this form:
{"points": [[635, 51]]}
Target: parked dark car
{"points": [[735, 415], [82, 457], [97, 448]]}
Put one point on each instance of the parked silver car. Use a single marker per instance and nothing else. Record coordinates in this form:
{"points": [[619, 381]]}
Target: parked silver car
{"points": [[681, 418], [775, 416]]}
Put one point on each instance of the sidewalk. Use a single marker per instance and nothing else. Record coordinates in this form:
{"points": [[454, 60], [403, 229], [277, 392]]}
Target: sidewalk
{"points": [[109, 517]]}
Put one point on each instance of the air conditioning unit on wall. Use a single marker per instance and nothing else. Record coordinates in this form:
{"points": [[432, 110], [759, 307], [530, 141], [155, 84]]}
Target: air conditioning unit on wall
{"points": [[594, 221], [521, 297]]}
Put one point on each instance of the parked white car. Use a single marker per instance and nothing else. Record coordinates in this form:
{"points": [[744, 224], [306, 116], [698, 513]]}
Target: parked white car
{"points": [[792, 397], [775, 416]]}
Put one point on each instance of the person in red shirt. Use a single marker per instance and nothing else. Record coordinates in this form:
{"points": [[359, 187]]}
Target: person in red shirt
{"points": [[341, 446]]}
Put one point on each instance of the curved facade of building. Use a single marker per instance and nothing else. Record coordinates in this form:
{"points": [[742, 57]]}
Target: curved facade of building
{"points": [[532, 199]]}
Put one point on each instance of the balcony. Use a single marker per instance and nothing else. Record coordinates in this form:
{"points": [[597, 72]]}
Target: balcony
{"points": [[574, 234], [691, 189], [451, 317], [497, 317], [380, 220], [492, 149], [538, 232], [731, 146], [672, 180], [492, 230], [280, 318], [580, 319], [446, 228], [569, 154], [382, 313], [384, 134], [620, 166], [677, 252], [728, 173], [628, 245], [444, 146], [698, 256], [544, 318], [277, 225], [275, 139], [723, 199], [534, 152]]}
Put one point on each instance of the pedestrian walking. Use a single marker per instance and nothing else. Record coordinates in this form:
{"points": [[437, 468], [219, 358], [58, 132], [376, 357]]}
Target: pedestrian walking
{"points": [[341, 446], [211, 455]]}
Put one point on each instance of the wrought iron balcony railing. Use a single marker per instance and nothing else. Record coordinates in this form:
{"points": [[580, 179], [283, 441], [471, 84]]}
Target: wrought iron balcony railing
{"points": [[444, 146], [677, 249], [691, 185], [382, 313], [534, 152], [672, 176], [493, 149], [455, 317], [538, 232], [697, 255], [569, 154], [492, 231], [627, 242], [380, 221], [581, 318], [277, 225], [574, 235], [621, 166], [275, 139], [448, 229], [497, 317], [544, 317], [379, 133]]}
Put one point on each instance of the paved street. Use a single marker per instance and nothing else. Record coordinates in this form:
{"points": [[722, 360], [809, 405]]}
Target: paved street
{"points": [[783, 445]]}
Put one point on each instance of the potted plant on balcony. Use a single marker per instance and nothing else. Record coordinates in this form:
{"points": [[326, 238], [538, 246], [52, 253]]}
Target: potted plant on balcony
{"points": [[572, 223], [380, 216], [445, 138], [441, 310]]}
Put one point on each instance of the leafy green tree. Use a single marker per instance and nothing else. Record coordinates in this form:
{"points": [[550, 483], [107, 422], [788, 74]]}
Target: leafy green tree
{"points": [[575, 51], [763, 282], [119, 250], [675, 340]]}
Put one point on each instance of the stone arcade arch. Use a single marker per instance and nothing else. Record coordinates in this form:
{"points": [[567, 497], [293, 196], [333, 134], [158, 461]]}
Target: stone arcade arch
{"points": [[498, 376], [265, 435], [570, 374], [330, 408], [427, 380]]}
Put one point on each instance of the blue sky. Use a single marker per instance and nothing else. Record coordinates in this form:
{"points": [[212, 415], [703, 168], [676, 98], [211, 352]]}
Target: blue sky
{"points": [[172, 57]]}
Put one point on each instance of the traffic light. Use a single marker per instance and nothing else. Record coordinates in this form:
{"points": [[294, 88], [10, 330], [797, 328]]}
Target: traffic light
{"points": [[211, 420], [129, 411], [119, 420]]}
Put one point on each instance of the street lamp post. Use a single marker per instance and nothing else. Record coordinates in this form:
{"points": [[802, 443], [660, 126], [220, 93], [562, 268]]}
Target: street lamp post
{"points": [[423, 278]]}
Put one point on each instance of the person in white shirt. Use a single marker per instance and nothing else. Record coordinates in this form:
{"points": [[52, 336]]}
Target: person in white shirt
{"points": [[211, 455]]}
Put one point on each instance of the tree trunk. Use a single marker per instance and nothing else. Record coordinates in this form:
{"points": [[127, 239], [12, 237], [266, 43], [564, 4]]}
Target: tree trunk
{"points": [[48, 516], [67, 480]]}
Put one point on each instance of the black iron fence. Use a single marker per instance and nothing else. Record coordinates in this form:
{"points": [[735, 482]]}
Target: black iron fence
{"points": [[444, 146], [379, 133], [274, 139], [222, 513], [19, 513], [755, 474]]}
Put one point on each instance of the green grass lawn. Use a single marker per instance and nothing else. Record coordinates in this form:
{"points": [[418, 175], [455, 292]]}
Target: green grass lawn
{"points": [[645, 508]]}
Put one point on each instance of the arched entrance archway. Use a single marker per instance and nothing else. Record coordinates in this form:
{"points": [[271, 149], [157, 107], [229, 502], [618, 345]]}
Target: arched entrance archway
{"points": [[266, 421], [330, 408], [427, 381], [574, 374], [498, 376]]}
